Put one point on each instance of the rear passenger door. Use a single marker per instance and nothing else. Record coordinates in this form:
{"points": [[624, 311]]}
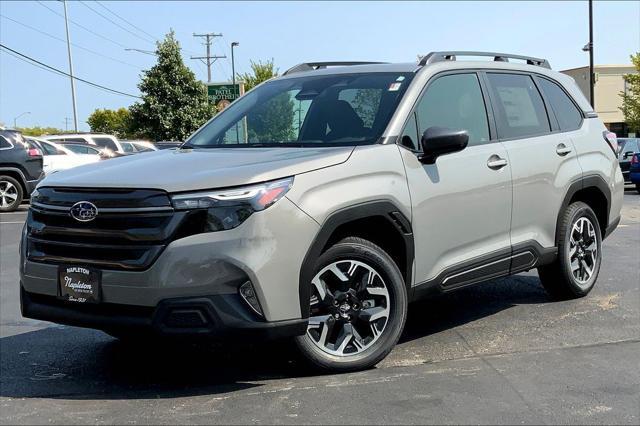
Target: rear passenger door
{"points": [[461, 203], [542, 158]]}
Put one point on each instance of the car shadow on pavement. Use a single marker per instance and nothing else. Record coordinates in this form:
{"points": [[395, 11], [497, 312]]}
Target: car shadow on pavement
{"points": [[78, 364]]}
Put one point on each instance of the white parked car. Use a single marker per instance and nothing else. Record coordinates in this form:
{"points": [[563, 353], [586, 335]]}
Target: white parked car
{"points": [[56, 157], [101, 140], [135, 147]]}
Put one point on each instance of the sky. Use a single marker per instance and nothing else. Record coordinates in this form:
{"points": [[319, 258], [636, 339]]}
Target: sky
{"points": [[288, 32]]}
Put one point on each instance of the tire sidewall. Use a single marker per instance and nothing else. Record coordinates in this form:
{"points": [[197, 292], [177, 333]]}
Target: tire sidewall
{"points": [[384, 265], [580, 210], [18, 187]]}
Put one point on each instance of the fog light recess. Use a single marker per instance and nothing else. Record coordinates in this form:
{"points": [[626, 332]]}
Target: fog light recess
{"points": [[248, 294]]}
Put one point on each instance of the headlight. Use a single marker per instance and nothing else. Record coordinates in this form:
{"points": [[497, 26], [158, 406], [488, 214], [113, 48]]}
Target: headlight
{"points": [[219, 210]]}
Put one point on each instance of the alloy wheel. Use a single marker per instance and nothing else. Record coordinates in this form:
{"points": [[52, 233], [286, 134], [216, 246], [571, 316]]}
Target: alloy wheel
{"points": [[583, 250], [8, 194], [350, 308]]}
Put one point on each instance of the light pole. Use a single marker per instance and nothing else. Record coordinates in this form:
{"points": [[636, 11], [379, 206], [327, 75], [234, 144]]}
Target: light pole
{"points": [[233, 82], [233, 69], [589, 48], [15, 126]]}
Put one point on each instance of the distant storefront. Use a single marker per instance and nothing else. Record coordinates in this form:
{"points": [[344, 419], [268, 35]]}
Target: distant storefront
{"points": [[222, 94], [609, 84]]}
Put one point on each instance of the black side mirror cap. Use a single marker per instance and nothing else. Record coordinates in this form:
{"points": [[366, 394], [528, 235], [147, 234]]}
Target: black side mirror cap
{"points": [[437, 141]]}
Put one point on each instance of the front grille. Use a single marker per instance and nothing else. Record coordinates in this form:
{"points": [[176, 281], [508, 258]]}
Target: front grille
{"points": [[130, 231]]}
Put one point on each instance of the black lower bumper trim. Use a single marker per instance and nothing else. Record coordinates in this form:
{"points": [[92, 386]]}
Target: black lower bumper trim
{"points": [[217, 317]]}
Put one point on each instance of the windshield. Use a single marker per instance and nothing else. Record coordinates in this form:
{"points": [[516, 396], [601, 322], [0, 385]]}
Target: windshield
{"points": [[339, 109]]}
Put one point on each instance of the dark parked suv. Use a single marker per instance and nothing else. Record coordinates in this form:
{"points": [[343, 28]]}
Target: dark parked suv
{"points": [[20, 169]]}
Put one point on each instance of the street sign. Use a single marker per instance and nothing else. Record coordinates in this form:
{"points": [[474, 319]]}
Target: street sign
{"points": [[222, 94]]}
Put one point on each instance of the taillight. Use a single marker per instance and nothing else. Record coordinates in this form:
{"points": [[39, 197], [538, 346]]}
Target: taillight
{"points": [[34, 152], [635, 159], [612, 140]]}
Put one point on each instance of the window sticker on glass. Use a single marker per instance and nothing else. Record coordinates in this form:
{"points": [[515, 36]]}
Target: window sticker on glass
{"points": [[394, 87], [401, 78]]}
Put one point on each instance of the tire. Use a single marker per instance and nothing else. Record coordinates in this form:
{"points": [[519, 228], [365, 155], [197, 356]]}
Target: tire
{"points": [[638, 187], [10, 188], [370, 306], [563, 279]]}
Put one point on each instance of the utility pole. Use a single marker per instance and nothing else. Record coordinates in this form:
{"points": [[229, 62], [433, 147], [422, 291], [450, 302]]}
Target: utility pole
{"points": [[209, 59], [66, 124], [73, 83]]}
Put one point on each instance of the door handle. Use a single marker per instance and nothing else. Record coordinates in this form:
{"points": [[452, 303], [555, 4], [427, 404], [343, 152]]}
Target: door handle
{"points": [[562, 150], [495, 162]]}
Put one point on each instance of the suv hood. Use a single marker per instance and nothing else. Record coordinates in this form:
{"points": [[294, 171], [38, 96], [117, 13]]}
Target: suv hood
{"points": [[195, 169]]}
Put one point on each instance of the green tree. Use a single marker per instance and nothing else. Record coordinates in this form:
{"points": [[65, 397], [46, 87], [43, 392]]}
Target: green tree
{"points": [[260, 71], [174, 103], [272, 121], [116, 122], [631, 99], [39, 131]]}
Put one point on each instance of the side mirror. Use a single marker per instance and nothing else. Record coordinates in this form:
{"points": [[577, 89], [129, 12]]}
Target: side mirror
{"points": [[437, 141]]}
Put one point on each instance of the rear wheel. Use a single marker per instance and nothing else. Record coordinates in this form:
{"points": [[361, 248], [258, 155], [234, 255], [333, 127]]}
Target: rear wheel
{"points": [[358, 307], [10, 194], [575, 271]]}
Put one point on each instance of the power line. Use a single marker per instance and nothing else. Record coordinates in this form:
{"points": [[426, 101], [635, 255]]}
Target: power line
{"points": [[115, 23], [120, 17], [64, 41], [82, 26], [35, 62]]}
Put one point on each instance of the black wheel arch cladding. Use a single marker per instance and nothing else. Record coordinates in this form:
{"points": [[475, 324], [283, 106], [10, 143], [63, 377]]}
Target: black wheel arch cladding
{"points": [[378, 210]]}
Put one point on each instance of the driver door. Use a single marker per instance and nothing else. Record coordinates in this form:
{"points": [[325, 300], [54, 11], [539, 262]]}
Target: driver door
{"points": [[462, 203]]}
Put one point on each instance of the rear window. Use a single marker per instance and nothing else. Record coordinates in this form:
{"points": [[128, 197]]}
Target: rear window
{"points": [[105, 143], [520, 109], [629, 145], [568, 115]]}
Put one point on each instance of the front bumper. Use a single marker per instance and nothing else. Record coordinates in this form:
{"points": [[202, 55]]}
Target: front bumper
{"points": [[267, 249], [634, 177], [219, 317]]}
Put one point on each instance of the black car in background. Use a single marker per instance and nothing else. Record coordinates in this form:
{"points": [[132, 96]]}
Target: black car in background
{"points": [[627, 147], [20, 169]]}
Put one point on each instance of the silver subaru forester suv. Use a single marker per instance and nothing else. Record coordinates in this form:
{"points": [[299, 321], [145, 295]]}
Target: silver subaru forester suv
{"points": [[322, 202]]}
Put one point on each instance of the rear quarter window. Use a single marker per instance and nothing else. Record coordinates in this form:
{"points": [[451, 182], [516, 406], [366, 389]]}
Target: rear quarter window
{"points": [[568, 115], [4, 143]]}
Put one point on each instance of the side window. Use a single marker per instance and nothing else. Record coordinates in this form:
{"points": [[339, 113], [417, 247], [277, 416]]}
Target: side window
{"points": [[127, 147], [520, 110], [4, 143], [569, 117], [50, 149], [455, 101], [106, 143]]}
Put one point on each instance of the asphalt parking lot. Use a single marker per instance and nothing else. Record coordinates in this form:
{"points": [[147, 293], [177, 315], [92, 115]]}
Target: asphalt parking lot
{"points": [[495, 353]]}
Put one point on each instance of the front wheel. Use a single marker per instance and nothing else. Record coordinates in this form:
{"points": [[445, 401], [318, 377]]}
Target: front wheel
{"points": [[358, 307], [575, 271]]}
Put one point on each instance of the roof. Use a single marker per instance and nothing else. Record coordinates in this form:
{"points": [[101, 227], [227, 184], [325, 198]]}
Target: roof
{"points": [[586, 67]]}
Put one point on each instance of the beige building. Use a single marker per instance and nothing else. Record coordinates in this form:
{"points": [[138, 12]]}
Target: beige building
{"points": [[609, 84]]}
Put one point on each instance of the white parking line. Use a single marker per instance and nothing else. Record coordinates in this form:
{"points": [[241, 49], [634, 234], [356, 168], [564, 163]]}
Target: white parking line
{"points": [[11, 223]]}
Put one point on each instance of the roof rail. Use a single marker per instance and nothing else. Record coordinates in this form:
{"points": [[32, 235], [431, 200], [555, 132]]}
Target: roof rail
{"points": [[498, 57], [310, 66]]}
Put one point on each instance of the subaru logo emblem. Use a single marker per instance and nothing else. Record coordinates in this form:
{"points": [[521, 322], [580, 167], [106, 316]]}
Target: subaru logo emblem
{"points": [[83, 211]]}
